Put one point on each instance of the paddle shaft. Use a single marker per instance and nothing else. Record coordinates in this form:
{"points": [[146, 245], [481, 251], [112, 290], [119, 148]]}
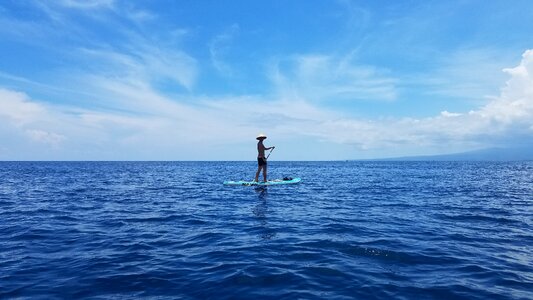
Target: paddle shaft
{"points": [[269, 153]]}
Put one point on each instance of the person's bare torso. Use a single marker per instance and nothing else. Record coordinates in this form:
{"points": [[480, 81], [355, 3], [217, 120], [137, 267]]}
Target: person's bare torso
{"points": [[260, 149]]}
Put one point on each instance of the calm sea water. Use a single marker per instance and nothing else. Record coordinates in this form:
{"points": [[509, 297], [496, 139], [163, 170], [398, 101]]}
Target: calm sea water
{"points": [[367, 230]]}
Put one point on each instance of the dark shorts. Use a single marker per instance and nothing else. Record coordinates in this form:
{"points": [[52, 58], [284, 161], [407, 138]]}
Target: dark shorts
{"points": [[261, 161]]}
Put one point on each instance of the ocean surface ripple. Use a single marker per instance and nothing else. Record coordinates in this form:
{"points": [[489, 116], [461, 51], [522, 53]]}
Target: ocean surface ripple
{"points": [[367, 230]]}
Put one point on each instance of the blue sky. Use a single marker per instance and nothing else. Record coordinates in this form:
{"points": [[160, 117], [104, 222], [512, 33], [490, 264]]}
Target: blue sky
{"points": [[325, 80]]}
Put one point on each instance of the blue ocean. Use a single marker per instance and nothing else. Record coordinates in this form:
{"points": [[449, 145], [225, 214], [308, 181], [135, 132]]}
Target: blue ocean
{"points": [[348, 230]]}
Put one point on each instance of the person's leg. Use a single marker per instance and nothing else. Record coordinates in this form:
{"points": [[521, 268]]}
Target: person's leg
{"points": [[257, 173], [265, 172]]}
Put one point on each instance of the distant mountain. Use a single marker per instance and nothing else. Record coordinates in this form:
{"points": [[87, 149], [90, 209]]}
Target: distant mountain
{"points": [[491, 154]]}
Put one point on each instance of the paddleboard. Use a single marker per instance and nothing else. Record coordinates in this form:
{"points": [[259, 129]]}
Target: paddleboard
{"points": [[261, 183]]}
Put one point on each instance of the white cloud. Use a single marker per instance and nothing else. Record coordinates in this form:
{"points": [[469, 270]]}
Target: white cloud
{"points": [[83, 4], [132, 117], [27, 117], [467, 74], [51, 138], [449, 114], [515, 103], [142, 121], [144, 63], [509, 114], [219, 47], [18, 108], [330, 78]]}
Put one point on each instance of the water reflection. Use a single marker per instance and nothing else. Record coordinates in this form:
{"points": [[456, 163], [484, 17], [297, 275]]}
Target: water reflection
{"points": [[261, 191], [260, 211]]}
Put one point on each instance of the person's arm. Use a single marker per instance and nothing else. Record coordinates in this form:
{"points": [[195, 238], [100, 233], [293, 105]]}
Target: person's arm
{"points": [[270, 148]]}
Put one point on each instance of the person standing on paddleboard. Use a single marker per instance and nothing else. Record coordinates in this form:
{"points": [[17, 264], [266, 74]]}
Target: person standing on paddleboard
{"points": [[261, 159]]}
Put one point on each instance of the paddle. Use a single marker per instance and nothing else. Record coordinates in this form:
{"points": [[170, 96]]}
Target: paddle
{"points": [[269, 153]]}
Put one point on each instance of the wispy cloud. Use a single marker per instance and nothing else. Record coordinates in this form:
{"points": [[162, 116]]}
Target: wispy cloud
{"points": [[511, 113], [133, 91], [158, 124], [46, 137], [93, 4], [143, 63], [467, 74], [331, 78], [219, 46]]}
